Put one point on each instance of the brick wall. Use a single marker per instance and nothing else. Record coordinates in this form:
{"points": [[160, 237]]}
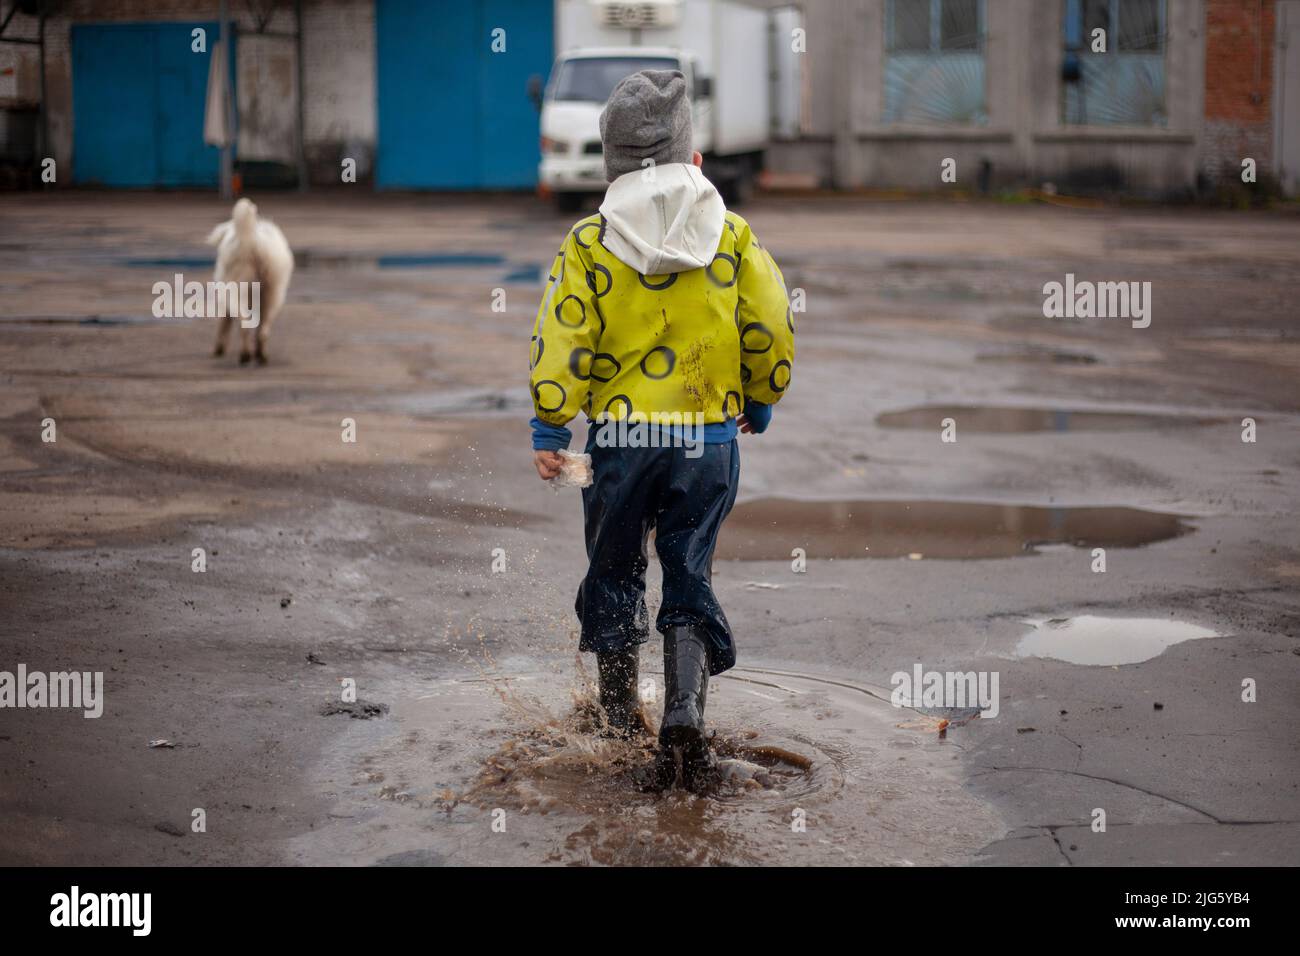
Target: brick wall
{"points": [[1238, 86]]}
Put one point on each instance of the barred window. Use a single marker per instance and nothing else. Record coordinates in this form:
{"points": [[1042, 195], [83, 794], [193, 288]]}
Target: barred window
{"points": [[1115, 77], [934, 61], [959, 25]]}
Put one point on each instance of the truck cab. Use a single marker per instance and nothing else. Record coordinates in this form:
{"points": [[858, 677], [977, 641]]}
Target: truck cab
{"points": [[602, 41], [572, 164]]}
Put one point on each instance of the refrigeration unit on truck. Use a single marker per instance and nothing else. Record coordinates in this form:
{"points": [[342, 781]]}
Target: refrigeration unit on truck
{"points": [[723, 48]]}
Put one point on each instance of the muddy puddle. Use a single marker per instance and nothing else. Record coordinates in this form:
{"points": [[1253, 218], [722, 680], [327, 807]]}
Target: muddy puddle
{"points": [[1106, 641], [768, 529], [812, 769], [991, 420]]}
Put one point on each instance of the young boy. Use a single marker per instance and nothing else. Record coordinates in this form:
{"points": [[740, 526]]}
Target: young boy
{"points": [[662, 308]]}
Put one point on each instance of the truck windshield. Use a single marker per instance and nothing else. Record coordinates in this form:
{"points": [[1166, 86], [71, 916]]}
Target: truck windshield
{"points": [[592, 79]]}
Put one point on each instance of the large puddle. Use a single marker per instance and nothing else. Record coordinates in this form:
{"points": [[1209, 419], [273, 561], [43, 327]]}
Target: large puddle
{"points": [[768, 529], [812, 770], [989, 419], [1108, 641]]}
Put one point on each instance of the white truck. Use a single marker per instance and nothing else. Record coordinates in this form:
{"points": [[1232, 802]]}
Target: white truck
{"points": [[725, 50]]}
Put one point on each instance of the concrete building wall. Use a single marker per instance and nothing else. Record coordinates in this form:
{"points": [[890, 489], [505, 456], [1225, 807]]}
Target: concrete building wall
{"points": [[1157, 161], [1219, 97], [339, 111], [20, 82], [20, 97], [339, 66], [267, 89], [1024, 138]]}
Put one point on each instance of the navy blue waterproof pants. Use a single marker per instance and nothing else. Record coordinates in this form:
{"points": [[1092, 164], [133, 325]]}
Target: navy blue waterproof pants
{"points": [[684, 500]]}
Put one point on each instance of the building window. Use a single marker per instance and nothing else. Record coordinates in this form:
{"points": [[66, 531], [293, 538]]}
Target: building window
{"points": [[934, 61], [1125, 84]]}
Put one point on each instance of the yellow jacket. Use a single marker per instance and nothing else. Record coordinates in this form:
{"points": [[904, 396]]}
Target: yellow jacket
{"points": [[662, 304]]}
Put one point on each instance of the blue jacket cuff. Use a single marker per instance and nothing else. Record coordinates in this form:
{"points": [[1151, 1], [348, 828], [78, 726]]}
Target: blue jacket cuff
{"points": [[759, 415], [549, 437]]}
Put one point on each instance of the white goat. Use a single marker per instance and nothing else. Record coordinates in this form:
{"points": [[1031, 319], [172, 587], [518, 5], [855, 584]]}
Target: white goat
{"points": [[250, 249]]}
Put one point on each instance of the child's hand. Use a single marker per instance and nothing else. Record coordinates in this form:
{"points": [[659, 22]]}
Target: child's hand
{"points": [[547, 463], [755, 418]]}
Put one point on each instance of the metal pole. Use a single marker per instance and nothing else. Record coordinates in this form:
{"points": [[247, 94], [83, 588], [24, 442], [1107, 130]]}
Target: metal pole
{"points": [[302, 95], [227, 163]]}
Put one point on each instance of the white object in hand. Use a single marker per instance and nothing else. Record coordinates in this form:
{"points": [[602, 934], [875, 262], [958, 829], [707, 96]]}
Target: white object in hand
{"points": [[575, 470]]}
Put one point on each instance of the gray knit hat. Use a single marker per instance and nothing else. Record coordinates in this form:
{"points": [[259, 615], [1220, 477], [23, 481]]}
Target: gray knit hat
{"points": [[647, 116]]}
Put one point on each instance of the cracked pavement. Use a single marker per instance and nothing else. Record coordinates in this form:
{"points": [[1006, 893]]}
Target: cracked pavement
{"points": [[384, 550]]}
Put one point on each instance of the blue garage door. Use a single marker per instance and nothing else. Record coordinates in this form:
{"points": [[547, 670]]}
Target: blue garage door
{"points": [[138, 98], [452, 113]]}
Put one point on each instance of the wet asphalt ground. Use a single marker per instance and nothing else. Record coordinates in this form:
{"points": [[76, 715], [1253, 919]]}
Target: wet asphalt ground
{"points": [[372, 562]]}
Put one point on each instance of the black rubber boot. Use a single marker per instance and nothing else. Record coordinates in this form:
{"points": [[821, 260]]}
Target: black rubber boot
{"points": [[686, 685], [618, 695]]}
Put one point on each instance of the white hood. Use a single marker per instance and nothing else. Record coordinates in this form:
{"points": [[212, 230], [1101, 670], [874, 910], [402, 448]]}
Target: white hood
{"points": [[670, 223]]}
